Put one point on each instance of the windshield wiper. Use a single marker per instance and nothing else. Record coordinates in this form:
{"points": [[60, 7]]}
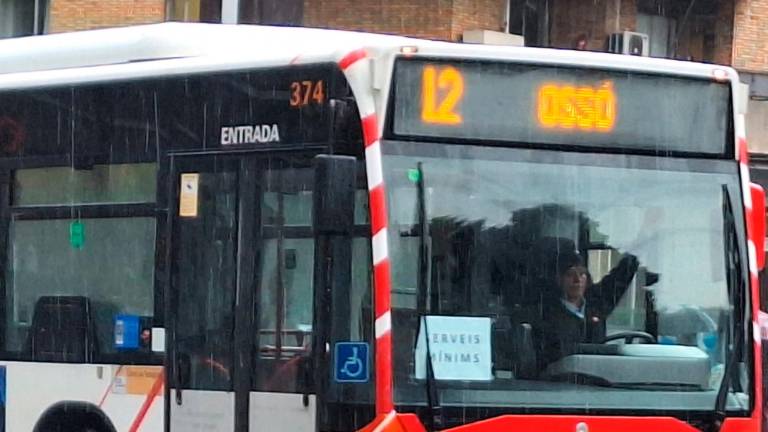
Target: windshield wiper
{"points": [[736, 289], [433, 399]]}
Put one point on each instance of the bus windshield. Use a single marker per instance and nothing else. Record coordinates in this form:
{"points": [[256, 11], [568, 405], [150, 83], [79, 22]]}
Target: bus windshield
{"points": [[558, 281]]}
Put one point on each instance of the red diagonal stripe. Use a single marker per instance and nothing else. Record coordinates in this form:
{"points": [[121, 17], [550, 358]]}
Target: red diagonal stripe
{"points": [[352, 58], [156, 387], [382, 284], [378, 209], [370, 129], [743, 151], [384, 374], [110, 386]]}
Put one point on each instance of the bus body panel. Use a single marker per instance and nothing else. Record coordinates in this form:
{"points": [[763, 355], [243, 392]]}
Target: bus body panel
{"points": [[554, 423], [123, 393], [294, 414], [203, 411], [574, 423]]}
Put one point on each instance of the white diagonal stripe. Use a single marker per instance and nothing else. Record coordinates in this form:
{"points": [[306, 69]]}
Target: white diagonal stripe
{"points": [[384, 423], [379, 246], [373, 165], [383, 324], [740, 127], [752, 258], [358, 75], [746, 189]]}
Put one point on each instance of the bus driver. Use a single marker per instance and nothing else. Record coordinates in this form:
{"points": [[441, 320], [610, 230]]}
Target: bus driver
{"points": [[575, 309]]}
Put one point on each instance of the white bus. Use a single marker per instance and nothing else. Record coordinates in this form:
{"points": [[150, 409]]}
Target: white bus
{"points": [[243, 228]]}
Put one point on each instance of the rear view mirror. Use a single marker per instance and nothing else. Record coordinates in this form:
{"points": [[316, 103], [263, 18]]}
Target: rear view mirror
{"points": [[758, 223]]}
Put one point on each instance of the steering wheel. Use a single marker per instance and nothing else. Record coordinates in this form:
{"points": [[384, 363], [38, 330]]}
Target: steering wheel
{"points": [[630, 336]]}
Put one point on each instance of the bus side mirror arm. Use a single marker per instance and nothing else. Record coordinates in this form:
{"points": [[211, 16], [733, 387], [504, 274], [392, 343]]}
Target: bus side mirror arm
{"points": [[757, 216]]}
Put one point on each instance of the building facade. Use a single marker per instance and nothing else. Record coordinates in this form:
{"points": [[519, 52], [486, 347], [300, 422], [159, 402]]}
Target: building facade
{"points": [[732, 32]]}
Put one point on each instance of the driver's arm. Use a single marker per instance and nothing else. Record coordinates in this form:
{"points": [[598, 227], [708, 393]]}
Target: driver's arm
{"points": [[606, 294]]}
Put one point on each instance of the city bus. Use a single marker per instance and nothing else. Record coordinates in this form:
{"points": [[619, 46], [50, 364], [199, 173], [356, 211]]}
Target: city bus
{"points": [[242, 228]]}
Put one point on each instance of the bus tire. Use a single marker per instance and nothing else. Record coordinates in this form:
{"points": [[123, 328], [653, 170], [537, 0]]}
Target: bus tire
{"points": [[70, 416]]}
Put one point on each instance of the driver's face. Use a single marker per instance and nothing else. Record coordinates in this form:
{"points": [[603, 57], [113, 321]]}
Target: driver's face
{"points": [[574, 282]]}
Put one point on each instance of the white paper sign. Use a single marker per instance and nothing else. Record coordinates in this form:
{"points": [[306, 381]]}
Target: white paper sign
{"points": [[460, 348]]}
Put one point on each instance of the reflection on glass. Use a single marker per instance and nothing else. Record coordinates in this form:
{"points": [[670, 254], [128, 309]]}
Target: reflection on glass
{"points": [[44, 262], [286, 295], [563, 257], [101, 184], [206, 272]]}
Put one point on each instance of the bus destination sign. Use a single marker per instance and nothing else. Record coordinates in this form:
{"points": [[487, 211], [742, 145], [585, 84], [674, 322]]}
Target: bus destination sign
{"points": [[566, 106]]}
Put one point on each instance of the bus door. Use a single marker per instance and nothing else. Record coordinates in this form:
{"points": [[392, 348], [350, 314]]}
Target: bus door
{"points": [[241, 294]]}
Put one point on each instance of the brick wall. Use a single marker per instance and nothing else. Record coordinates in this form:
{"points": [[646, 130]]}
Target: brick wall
{"points": [[478, 14], [708, 37], [746, 46], [598, 18], [571, 18], [71, 15], [419, 18], [750, 39], [432, 19], [595, 18], [724, 22]]}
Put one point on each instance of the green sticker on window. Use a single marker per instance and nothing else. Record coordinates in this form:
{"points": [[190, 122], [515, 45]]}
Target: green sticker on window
{"points": [[77, 234], [414, 175]]}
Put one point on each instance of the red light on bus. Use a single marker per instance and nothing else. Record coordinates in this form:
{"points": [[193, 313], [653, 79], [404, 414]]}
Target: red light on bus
{"points": [[569, 107]]}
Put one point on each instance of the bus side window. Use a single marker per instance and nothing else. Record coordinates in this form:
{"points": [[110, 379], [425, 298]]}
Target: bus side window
{"points": [[73, 257], [285, 297], [285, 291]]}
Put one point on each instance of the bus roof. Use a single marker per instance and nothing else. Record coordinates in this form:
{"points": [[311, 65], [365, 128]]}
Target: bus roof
{"points": [[180, 48], [174, 40]]}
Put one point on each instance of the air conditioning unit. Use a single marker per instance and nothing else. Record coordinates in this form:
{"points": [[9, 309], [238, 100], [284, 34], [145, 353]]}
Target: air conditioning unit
{"points": [[488, 37], [629, 43]]}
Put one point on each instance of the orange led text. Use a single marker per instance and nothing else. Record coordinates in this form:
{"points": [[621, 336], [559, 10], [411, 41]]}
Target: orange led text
{"points": [[441, 92], [305, 92], [571, 107]]}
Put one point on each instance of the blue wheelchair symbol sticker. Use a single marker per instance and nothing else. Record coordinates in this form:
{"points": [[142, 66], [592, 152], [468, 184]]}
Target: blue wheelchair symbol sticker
{"points": [[351, 362]]}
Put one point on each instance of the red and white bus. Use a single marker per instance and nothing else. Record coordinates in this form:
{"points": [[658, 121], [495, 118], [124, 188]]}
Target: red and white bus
{"points": [[242, 228]]}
